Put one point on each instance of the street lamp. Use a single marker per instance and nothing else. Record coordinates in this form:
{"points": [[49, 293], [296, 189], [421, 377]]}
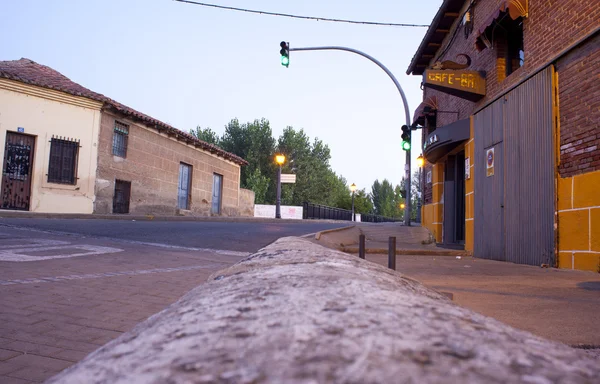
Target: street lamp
{"points": [[353, 188], [420, 164], [279, 159]]}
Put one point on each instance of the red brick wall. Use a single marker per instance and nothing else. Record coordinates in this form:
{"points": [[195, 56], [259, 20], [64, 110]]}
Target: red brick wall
{"points": [[579, 105], [551, 27], [152, 166]]}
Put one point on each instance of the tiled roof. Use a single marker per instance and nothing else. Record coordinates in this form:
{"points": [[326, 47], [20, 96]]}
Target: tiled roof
{"points": [[29, 72]]}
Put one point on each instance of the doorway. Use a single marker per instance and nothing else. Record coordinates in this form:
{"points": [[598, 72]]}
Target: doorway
{"points": [[216, 195], [15, 185], [122, 196], [184, 188], [454, 201]]}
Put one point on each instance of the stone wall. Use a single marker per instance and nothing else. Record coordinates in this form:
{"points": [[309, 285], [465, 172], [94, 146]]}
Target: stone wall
{"points": [[152, 166], [296, 312], [246, 207]]}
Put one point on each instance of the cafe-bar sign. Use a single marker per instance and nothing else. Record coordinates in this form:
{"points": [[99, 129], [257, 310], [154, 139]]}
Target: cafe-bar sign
{"points": [[468, 85]]}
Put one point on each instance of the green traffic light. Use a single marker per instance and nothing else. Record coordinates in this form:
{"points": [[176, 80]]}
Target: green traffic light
{"points": [[285, 60], [406, 145]]}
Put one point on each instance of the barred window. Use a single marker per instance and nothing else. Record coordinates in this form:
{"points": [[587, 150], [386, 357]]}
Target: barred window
{"points": [[63, 161], [120, 139]]}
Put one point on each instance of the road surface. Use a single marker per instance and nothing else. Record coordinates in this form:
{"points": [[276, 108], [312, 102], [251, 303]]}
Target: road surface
{"points": [[69, 286]]}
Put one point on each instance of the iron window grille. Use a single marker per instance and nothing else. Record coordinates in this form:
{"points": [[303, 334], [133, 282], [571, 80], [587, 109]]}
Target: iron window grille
{"points": [[120, 139], [63, 160]]}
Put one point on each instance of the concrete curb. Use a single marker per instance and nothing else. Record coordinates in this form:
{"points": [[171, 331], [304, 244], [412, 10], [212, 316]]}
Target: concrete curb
{"points": [[318, 234], [409, 252], [296, 312], [79, 216]]}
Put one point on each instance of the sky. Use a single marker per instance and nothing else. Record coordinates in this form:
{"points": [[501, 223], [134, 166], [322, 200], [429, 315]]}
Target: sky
{"points": [[189, 65]]}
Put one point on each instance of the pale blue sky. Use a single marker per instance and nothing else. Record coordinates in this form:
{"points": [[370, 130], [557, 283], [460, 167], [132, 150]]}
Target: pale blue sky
{"points": [[188, 65]]}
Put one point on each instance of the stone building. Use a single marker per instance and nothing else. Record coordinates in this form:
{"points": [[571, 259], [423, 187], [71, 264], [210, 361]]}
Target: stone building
{"points": [[90, 154], [511, 129]]}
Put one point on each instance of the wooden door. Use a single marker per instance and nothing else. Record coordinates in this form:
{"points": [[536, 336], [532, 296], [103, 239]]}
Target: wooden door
{"points": [[15, 186]]}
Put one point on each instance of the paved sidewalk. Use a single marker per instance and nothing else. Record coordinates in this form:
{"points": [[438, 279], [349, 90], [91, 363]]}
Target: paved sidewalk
{"points": [[414, 240], [557, 304], [80, 292]]}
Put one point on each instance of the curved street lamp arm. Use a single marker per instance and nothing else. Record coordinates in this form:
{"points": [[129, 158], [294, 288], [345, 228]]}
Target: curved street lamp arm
{"points": [[406, 112]]}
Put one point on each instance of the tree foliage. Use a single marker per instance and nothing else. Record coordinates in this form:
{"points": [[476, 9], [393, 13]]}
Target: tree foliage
{"points": [[308, 158], [205, 134], [386, 199]]}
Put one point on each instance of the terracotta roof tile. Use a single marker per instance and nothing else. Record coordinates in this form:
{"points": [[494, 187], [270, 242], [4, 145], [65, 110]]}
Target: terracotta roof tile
{"points": [[29, 72]]}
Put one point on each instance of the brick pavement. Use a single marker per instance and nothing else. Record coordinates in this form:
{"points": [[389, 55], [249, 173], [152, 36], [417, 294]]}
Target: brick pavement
{"points": [[56, 311]]}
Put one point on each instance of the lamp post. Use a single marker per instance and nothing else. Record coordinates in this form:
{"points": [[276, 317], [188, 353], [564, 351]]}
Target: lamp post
{"points": [[420, 163], [279, 159], [402, 95], [353, 188]]}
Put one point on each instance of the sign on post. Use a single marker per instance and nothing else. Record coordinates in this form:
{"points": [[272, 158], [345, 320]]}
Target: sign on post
{"points": [[288, 178]]}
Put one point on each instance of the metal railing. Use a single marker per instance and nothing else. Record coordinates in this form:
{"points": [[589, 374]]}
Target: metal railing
{"points": [[366, 218], [322, 212]]}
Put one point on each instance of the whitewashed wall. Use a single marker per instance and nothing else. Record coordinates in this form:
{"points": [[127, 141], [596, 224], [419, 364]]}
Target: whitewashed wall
{"points": [[287, 211]]}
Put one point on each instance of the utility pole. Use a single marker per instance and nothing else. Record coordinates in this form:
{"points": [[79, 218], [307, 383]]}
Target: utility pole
{"points": [[404, 101]]}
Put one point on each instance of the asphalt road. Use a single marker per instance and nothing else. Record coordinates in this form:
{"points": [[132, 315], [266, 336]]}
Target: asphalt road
{"points": [[234, 236], [68, 286]]}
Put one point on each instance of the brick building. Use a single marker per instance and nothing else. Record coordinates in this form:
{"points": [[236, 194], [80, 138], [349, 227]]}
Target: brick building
{"points": [[69, 149], [511, 129]]}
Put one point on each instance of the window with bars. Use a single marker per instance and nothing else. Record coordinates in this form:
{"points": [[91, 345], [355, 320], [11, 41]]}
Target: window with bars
{"points": [[120, 138], [62, 168]]}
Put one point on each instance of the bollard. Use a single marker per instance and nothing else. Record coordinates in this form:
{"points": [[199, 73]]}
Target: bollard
{"points": [[361, 246], [392, 253]]}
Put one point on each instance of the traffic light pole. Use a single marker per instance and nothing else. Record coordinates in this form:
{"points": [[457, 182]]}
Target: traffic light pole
{"points": [[406, 112]]}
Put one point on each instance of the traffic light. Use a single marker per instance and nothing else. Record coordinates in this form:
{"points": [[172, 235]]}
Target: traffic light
{"points": [[285, 54], [406, 137]]}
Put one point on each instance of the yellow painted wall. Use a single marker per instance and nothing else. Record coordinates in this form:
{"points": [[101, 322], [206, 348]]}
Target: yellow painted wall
{"points": [[470, 192], [579, 222], [43, 113], [432, 214]]}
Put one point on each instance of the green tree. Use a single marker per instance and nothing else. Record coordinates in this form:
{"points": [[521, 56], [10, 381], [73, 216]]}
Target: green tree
{"points": [[362, 201], [315, 181], [205, 134], [253, 142], [259, 184], [387, 199]]}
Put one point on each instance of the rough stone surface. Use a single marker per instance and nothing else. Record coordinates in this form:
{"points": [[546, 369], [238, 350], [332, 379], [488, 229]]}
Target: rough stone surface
{"points": [[296, 312]]}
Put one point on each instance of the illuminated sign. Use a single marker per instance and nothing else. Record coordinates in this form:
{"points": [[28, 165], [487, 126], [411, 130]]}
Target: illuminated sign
{"points": [[432, 140], [468, 85]]}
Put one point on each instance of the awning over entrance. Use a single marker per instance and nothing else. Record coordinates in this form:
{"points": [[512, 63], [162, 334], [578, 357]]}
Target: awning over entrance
{"points": [[444, 139], [514, 8], [419, 116]]}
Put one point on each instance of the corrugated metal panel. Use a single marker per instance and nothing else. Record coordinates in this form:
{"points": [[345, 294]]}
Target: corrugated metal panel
{"points": [[489, 191], [529, 192]]}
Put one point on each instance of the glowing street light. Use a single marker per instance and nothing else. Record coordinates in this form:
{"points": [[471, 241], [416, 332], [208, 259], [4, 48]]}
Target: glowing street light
{"points": [[279, 159]]}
